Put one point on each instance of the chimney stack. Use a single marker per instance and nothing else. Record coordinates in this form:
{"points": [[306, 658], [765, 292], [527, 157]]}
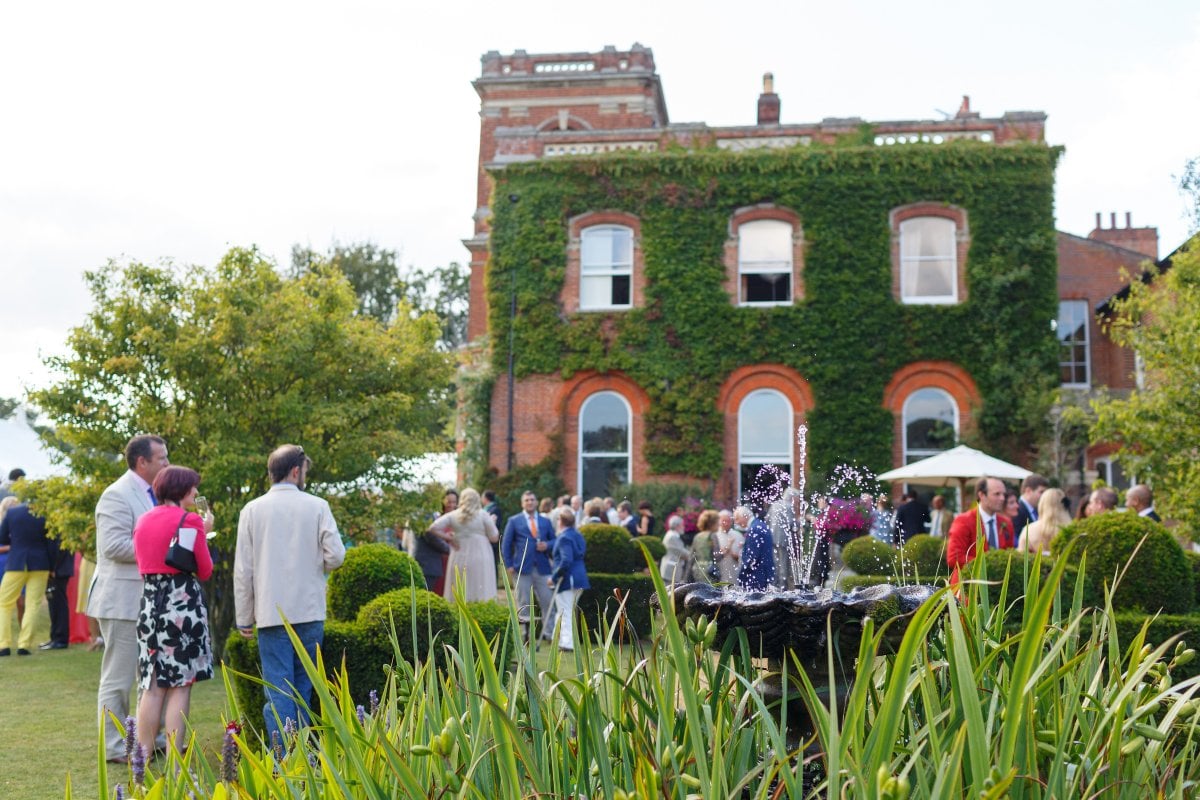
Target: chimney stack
{"points": [[768, 102], [1140, 240]]}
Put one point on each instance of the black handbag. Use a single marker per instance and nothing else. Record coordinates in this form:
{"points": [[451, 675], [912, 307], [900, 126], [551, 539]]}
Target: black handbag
{"points": [[178, 556]]}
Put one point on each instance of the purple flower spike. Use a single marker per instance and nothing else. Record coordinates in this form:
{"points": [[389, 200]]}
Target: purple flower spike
{"points": [[289, 728], [120, 792], [374, 697], [130, 737], [362, 715], [229, 753], [138, 763]]}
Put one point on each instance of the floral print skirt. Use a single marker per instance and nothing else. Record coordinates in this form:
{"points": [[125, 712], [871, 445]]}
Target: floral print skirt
{"points": [[174, 649]]}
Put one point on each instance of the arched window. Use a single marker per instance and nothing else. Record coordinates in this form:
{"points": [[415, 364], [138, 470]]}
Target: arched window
{"points": [[765, 262], [764, 443], [606, 267], [928, 260], [604, 448], [930, 424]]}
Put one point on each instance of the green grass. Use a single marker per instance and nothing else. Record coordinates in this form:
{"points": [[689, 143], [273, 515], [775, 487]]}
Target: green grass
{"points": [[48, 715]]}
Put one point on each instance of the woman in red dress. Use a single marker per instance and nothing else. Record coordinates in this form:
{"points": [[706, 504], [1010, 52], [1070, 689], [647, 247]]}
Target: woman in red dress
{"points": [[174, 649]]}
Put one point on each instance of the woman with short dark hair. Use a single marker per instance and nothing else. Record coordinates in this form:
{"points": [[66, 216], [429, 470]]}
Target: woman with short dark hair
{"points": [[174, 650]]}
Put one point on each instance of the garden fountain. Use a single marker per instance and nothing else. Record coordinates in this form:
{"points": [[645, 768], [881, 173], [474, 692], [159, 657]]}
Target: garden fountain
{"points": [[802, 626]]}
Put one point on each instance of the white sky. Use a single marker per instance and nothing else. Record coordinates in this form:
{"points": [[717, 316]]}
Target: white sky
{"points": [[175, 131]]}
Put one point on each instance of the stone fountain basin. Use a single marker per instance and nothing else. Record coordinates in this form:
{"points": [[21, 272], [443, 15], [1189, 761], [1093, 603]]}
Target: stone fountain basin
{"points": [[801, 622]]}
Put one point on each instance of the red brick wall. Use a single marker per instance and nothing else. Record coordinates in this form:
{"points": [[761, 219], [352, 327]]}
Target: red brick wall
{"points": [[1090, 270]]}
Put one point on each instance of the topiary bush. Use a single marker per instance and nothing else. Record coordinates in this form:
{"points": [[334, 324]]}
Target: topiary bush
{"points": [[1194, 562], [610, 549], [866, 555], [369, 571], [652, 543], [847, 583], [1158, 577], [420, 616], [490, 616], [924, 556], [600, 602]]}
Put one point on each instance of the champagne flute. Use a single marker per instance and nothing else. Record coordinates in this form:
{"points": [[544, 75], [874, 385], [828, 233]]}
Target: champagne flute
{"points": [[204, 509]]}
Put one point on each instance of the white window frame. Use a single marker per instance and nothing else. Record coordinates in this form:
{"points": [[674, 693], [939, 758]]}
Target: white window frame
{"points": [[914, 262], [628, 453], [1108, 463], [769, 267], [1087, 342], [904, 421], [766, 458], [602, 271]]}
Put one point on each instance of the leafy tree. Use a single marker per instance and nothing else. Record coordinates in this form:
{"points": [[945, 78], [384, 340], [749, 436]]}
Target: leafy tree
{"points": [[1158, 427], [379, 286], [227, 363], [7, 406]]}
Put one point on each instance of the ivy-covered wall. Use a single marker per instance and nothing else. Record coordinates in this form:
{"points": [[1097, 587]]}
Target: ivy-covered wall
{"points": [[846, 337]]}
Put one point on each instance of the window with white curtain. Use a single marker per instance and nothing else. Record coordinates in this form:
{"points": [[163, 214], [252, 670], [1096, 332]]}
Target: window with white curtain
{"points": [[765, 262], [928, 260]]}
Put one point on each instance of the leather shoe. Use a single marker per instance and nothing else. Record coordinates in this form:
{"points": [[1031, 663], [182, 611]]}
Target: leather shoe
{"points": [[5, 651], [52, 646], [21, 651]]}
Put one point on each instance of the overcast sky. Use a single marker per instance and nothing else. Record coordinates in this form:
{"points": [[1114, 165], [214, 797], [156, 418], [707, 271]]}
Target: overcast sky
{"points": [[155, 131]]}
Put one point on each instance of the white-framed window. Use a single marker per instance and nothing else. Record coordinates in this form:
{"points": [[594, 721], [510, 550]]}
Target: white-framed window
{"points": [[1074, 364], [930, 424], [764, 444], [604, 444], [1109, 470], [928, 260], [765, 262], [606, 268]]}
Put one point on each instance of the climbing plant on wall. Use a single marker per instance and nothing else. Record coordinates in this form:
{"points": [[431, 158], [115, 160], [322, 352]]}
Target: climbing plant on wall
{"points": [[848, 335]]}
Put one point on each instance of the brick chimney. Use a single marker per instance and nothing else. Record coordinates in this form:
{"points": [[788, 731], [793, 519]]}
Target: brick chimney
{"points": [[768, 102], [1140, 240]]}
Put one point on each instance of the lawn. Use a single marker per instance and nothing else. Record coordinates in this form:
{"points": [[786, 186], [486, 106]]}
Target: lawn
{"points": [[48, 713]]}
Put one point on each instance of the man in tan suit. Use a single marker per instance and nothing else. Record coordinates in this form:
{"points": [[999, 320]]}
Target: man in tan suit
{"points": [[116, 592], [939, 517], [287, 543]]}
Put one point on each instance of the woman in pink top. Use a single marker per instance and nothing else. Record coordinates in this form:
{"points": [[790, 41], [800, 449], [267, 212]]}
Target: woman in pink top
{"points": [[174, 650]]}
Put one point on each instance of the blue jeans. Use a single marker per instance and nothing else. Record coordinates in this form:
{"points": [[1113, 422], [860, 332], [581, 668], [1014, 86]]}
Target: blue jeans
{"points": [[283, 671]]}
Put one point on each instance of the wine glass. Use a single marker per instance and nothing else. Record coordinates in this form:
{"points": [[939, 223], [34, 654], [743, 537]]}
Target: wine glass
{"points": [[202, 505]]}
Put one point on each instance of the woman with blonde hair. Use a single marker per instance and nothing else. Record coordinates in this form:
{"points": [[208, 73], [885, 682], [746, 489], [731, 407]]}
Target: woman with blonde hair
{"points": [[1052, 518], [470, 531]]}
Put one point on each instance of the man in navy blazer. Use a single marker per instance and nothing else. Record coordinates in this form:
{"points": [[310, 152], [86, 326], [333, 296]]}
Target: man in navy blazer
{"points": [[28, 568], [525, 547]]}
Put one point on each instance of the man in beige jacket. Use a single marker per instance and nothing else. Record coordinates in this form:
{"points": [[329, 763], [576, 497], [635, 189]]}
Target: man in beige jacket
{"points": [[116, 592], [287, 543]]}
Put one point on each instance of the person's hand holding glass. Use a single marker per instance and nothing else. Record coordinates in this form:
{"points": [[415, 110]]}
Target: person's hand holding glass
{"points": [[205, 512]]}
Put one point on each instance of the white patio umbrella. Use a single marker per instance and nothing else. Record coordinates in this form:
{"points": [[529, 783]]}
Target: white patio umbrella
{"points": [[954, 468]]}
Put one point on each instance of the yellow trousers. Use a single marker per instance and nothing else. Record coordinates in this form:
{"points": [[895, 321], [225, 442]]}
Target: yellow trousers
{"points": [[34, 584]]}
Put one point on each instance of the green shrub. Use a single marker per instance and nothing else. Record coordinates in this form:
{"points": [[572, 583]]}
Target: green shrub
{"points": [[924, 556], [369, 571], [491, 617], [599, 601], [610, 549], [847, 583], [420, 616], [652, 543], [866, 555], [1194, 562], [1158, 578], [241, 656]]}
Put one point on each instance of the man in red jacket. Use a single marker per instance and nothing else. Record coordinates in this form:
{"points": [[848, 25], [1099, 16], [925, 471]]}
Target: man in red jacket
{"points": [[985, 519]]}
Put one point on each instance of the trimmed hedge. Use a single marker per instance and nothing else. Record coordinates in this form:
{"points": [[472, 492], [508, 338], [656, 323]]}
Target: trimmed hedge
{"points": [[1162, 627], [369, 571], [866, 555], [924, 557], [656, 547], [491, 617], [599, 601], [420, 618], [609, 549], [1193, 560], [1158, 578], [847, 583]]}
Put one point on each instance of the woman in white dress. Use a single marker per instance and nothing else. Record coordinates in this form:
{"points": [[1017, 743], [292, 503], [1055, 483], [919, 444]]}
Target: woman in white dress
{"points": [[1052, 518], [470, 531], [676, 565]]}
